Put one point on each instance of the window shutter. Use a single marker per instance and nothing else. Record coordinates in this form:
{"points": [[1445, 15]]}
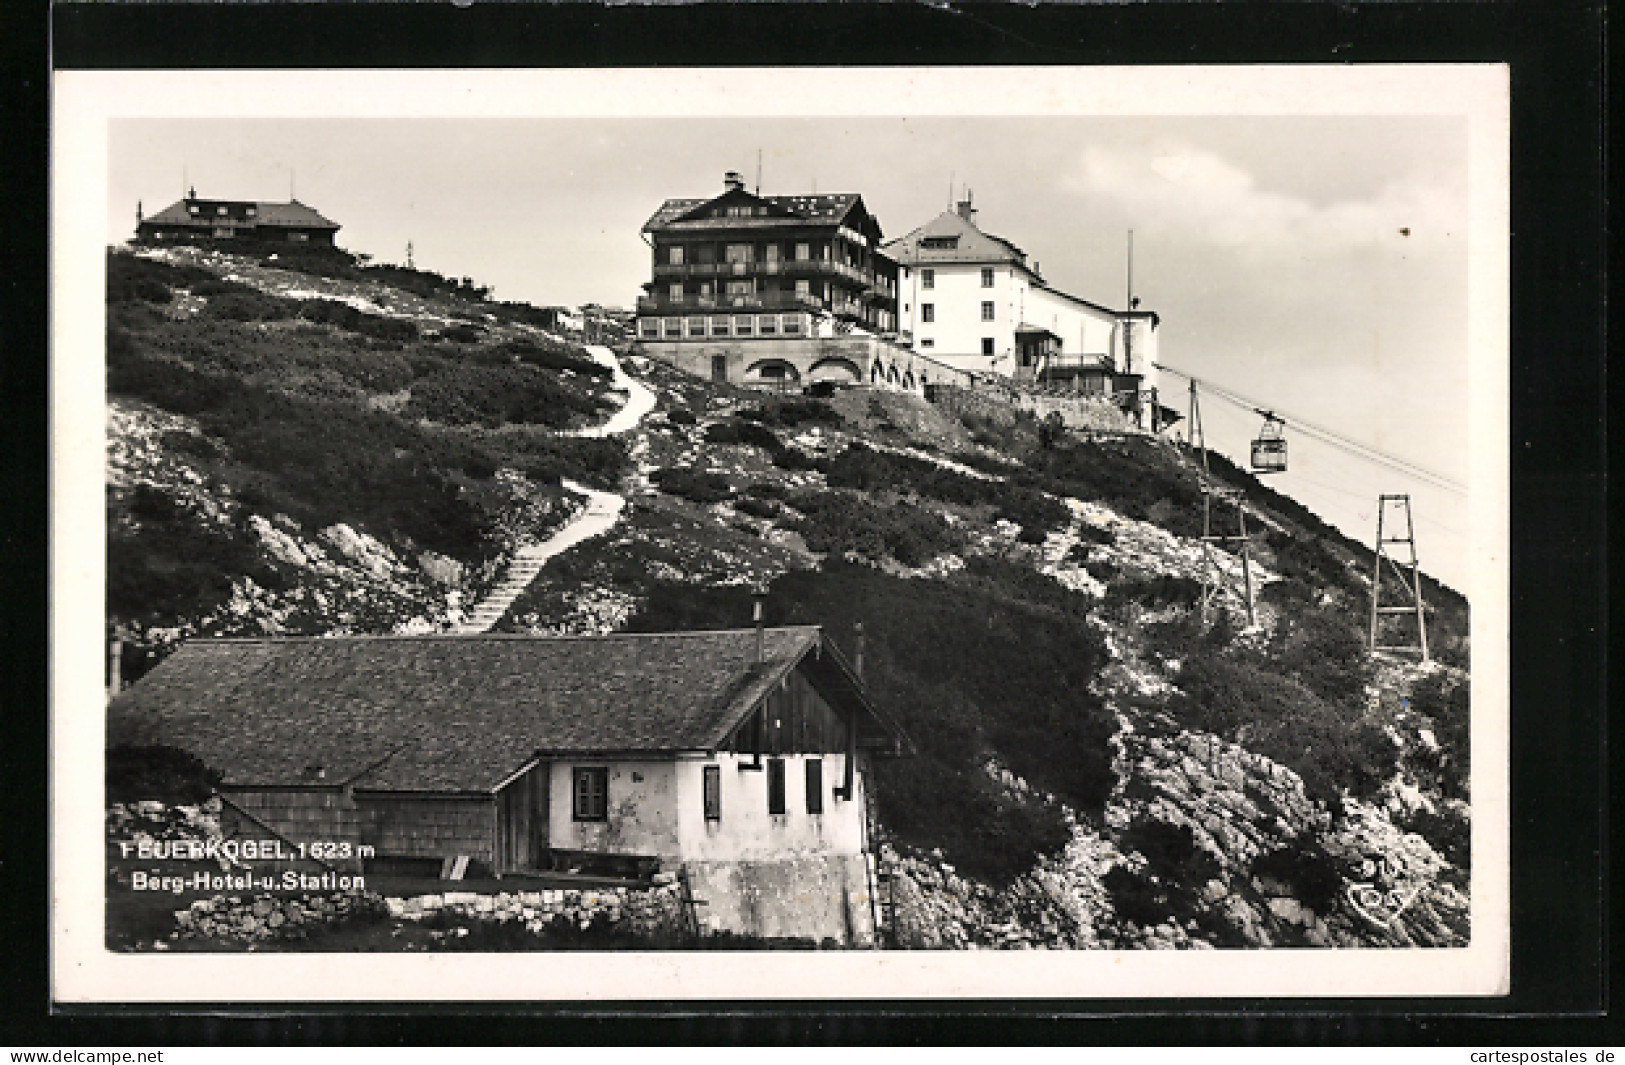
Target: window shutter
{"points": [[815, 786]]}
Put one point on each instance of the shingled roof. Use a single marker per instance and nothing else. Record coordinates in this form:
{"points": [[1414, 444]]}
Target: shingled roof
{"points": [[462, 713], [971, 245], [820, 208], [266, 213]]}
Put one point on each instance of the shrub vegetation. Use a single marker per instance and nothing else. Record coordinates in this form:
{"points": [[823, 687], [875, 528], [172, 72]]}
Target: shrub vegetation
{"points": [[842, 522], [972, 671]]}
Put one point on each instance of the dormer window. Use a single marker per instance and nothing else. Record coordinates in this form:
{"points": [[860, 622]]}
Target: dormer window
{"points": [[946, 243], [221, 211], [192, 208], [250, 212]]}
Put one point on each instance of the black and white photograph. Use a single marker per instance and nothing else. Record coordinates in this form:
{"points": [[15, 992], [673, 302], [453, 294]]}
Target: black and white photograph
{"points": [[891, 532]]}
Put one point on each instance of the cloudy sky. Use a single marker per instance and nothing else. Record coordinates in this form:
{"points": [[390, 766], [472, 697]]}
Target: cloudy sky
{"points": [[1317, 264]]}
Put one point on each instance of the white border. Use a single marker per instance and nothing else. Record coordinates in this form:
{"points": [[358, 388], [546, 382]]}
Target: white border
{"points": [[85, 101]]}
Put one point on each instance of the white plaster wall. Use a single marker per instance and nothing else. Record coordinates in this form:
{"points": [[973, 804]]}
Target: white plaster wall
{"points": [[1082, 331], [958, 329], [643, 810], [817, 898], [747, 831]]}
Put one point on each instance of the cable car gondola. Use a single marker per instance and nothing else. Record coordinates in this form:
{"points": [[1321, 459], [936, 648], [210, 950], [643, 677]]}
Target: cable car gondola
{"points": [[1269, 449]]}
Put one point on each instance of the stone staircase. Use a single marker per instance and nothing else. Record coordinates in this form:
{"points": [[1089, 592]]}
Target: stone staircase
{"points": [[603, 509]]}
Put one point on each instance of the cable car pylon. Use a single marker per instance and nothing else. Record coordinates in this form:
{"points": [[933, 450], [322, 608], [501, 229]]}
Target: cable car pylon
{"points": [[1219, 581], [1408, 574]]}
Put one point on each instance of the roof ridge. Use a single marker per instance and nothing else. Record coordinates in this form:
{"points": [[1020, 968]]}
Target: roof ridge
{"points": [[494, 636]]}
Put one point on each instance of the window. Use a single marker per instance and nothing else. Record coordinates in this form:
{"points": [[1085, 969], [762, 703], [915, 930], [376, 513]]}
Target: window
{"points": [[674, 327], [719, 327], [803, 288], [192, 208], [792, 323], [772, 253], [928, 279], [220, 211], [767, 325], [251, 212], [677, 292], [815, 785], [939, 242], [739, 253], [987, 345], [987, 277], [987, 310], [650, 327], [591, 794], [744, 325], [712, 788], [927, 342], [775, 785], [928, 312], [803, 252], [740, 290], [696, 327], [676, 255]]}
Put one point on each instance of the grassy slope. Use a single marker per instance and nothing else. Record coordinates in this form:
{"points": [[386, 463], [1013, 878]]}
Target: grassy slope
{"points": [[314, 410]]}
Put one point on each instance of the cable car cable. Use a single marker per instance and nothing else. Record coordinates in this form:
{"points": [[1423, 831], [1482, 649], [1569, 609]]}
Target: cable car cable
{"points": [[1326, 436]]}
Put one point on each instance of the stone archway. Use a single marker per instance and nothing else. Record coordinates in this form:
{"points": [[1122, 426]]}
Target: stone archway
{"points": [[777, 373], [839, 370]]}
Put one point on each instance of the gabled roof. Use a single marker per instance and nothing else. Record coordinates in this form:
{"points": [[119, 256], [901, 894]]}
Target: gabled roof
{"points": [[266, 213], [971, 245], [813, 208], [462, 713]]}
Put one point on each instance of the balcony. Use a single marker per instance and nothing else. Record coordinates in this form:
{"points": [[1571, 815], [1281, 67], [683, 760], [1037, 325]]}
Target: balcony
{"points": [[764, 301], [762, 268]]}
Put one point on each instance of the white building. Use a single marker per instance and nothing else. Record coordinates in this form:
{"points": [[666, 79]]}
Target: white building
{"points": [[971, 299]]}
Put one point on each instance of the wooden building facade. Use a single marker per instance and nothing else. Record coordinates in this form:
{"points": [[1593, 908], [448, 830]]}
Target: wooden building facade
{"points": [[527, 754]]}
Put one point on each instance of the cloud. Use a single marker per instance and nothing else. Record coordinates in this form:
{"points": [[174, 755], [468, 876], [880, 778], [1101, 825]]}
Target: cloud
{"points": [[1203, 196]]}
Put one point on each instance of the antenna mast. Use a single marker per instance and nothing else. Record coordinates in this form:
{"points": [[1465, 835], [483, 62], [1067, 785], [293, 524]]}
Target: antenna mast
{"points": [[1131, 269], [758, 171]]}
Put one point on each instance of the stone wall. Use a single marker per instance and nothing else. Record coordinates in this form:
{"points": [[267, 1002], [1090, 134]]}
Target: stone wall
{"points": [[824, 898], [1002, 406]]}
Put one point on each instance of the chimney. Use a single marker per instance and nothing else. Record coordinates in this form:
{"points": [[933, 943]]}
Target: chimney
{"points": [[758, 618], [964, 208], [138, 210], [857, 655], [732, 181], [115, 667]]}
